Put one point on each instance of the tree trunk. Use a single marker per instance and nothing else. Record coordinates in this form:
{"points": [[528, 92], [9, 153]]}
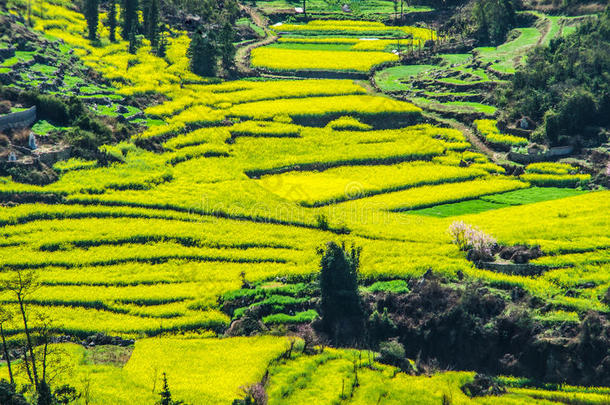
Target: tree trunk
{"points": [[8, 359], [44, 360], [28, 339], [27, 365]]}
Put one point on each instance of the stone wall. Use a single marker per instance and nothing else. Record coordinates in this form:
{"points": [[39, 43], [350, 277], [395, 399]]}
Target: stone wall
{"points": [[19, 119]]}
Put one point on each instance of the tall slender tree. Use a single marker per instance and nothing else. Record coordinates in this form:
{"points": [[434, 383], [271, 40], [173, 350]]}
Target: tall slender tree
{"points": [[112, 21], [133, 41], [130, 17], [5, 316], [145, 6], [153, 23], [225, 44], [92, 15], [21, 285]]}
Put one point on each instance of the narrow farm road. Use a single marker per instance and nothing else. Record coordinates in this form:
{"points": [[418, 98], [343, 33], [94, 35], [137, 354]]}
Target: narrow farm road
{"points": [[242, 56]]}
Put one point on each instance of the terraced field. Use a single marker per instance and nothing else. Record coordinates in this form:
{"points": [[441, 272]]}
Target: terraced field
{"points": [[327, 45], [349, 376], [244, 180]]}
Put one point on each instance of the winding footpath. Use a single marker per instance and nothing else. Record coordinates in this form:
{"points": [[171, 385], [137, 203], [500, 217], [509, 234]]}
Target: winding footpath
{"points": [[242, 56]]}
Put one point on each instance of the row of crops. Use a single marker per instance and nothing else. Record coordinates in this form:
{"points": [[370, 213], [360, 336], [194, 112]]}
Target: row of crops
{"points": [[288, 153], [248, 178], [335, 375], [327, 45]]}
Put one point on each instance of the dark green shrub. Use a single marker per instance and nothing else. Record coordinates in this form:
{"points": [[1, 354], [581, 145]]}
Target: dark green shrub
{"points": [[49, 107], [341, 306], [322, 222], [9, 394], [66, 394], [381, 326], [393, 353], [493, 20]]}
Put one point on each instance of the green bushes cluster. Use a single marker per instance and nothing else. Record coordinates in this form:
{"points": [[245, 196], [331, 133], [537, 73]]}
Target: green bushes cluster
{"points": [[564, 86], [86, 133]]}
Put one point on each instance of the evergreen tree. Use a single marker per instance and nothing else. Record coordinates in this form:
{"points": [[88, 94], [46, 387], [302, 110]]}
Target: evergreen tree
{"points": [[225, 45], [92, 17], [133, 41], [493, 19], [153, 23], [203, 53], [130, 17], [342, 313], [112, 21], [145, 8], [166, 395]]}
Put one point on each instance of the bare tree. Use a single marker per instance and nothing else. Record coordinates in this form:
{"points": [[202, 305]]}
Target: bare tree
{"points": [[21, 286], [5, 317]]}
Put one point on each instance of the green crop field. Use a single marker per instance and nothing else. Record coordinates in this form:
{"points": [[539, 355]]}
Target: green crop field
{"points": [[234, 186]]}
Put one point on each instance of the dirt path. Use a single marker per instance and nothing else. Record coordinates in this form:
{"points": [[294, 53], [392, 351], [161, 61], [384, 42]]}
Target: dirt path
{"points": [[242, 56]]}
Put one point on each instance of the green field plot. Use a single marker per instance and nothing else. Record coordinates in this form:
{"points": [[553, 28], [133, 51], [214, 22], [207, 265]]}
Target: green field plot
{"points": [[508, 55], [396, 78]]}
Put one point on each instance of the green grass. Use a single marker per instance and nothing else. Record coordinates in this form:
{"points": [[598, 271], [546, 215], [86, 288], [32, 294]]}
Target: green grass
{"points": [[44, 69], [484, 108], [43, 127], [495, 201], [246, 21], [455, 58], [509, 53], [460, 208], [393, 79], [299, 317], [393, 286], [532, 195]]}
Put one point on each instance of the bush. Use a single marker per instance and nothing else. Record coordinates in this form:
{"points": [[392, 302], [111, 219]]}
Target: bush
{"points": [[477, 243], [48, 107], [9, 395], [255, 394], [393, 353], [322, 222], [381, 326]]}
